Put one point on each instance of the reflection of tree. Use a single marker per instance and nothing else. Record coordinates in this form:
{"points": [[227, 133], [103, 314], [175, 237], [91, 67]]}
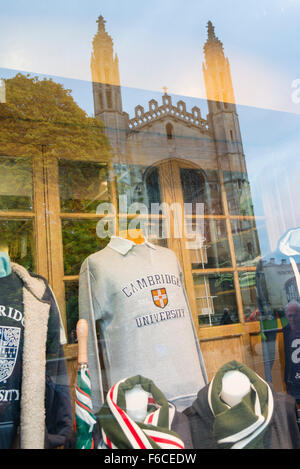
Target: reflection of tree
{"points": [[79, 241], [40, 118], [41, 113], [18, 236], [82, 185], [16, 184]]}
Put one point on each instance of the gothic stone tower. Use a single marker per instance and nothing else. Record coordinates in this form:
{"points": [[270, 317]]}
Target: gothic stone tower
{"points": [[223, 119], [170, 131], [106, 87]]}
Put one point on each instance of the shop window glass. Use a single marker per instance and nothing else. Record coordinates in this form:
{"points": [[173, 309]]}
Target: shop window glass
{"points": [[215, 299], [246, 243], [238, 193], [79, 241], [202, 186], [82, 185], [17, 236], [248, 290], [215, 252], [139, 184], [16, 184], [68, 146]]}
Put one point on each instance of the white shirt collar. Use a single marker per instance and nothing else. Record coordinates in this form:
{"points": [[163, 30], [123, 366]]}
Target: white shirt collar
{"points": [[123, 245]]}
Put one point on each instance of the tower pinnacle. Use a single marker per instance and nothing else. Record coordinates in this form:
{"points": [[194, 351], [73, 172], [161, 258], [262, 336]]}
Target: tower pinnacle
{"points": [[210, 31], [216, 70], [105, 73], [101, 23], [212, 42]]}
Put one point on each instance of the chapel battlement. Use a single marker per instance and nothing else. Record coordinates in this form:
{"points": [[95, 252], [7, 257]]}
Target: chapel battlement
{"points": [[177, 112]]}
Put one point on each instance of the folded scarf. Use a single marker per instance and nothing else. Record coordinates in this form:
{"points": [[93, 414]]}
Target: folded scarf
{"points": [[119, 431], [243, 425]]}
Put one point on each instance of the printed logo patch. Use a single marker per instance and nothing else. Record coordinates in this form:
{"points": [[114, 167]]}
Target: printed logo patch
{"points": [[9, 346], [160, 297]]}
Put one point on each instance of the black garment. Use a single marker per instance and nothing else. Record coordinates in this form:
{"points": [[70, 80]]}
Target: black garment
{"points": [[57, 397], [281, 433], [11, 348]]}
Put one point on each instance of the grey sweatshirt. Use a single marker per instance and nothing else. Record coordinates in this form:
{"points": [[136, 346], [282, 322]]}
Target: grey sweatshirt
{"points": [[137, 295]]}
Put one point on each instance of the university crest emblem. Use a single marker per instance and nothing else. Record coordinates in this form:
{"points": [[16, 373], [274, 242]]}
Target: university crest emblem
{"points": [[9, 346], [160, 297]]}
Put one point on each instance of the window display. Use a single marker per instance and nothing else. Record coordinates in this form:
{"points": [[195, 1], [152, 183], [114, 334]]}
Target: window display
{"points": [[149, 186], [135, 291]]}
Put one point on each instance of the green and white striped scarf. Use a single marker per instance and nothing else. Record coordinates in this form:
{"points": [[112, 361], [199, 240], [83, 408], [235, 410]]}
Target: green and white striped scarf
{"points": [[243, 425], [119, 431]]}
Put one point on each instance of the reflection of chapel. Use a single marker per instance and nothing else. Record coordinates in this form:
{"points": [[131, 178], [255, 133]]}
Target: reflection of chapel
{"points": [[192, 158], [167, 129], [219, 133]]}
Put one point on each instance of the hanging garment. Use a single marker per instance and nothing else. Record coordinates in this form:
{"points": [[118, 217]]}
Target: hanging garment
{"points": [[157, 431], [262, 420], [33, 376], [136, 294]]}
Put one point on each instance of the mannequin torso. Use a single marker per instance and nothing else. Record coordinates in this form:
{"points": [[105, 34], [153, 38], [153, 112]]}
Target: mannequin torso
{"points": [[136, 398]]}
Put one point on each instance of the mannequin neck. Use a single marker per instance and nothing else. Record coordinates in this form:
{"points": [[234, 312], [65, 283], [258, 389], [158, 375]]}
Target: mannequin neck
{"points": [[135, 235], [235, 385], [137, 403], [5, 265]]}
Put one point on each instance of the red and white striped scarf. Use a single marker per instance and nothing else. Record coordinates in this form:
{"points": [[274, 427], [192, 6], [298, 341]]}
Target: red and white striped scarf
{"points": [[119, 431]]}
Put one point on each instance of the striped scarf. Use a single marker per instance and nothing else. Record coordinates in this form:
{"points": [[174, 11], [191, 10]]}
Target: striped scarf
{"points": [[119, 431], [243, 425]]}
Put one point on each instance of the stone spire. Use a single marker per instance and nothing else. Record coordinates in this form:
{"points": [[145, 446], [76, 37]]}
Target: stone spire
{"points": [[102, 40], [210, 31], [105, 74], [212, 42], [216, 69], [222, 117], [104, 63]]}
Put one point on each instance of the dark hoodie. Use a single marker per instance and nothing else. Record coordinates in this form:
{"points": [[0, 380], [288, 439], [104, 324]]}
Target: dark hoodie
{"points": [[38, 374]]}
